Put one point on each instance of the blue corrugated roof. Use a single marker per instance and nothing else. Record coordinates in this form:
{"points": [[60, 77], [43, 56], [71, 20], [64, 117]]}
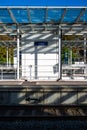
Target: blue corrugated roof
{"points": [[43, 15]]}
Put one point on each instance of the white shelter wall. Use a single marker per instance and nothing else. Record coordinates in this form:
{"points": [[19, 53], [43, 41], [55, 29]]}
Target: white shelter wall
{"points": [[45, 63]]}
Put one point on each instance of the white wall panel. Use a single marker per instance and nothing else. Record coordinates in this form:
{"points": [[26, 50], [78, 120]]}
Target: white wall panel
{"points": [[45, 63]]}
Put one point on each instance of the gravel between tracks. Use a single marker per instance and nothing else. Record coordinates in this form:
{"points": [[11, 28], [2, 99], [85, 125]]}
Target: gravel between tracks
{"points": [[44, 125]]}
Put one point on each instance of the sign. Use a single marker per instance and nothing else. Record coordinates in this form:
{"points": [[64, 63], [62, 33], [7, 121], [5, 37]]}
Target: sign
{"points": [[41, 43]]}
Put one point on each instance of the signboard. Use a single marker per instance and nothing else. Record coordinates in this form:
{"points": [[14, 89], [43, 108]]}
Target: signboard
{"points": [[43, 3], [41, 43]]}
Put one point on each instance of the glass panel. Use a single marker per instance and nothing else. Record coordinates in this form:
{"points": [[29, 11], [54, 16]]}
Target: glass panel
{"points": [[71, 15], [21, 15], [84, 17], [37, 15], [4, 16], [54, 15], [73, 65]]}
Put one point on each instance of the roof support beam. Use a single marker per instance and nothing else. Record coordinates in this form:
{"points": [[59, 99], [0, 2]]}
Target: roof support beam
{"points": [[63, 15], [29, 18], [46, 14], [84, 28], [12, 16], [4, 27], [77, 19], [81, 13]]}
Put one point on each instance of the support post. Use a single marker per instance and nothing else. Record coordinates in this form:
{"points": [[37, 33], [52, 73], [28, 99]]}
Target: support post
{"points": [[85, 68], [70, 56], [18, 41], [30, 67], [36, 63], [84, 50], [59, 56], [7, 56]]}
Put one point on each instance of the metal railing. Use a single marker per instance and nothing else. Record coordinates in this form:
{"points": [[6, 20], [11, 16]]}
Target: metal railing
{"points": [[8, 72], [43, 72], [74, 71], [30, 72]]}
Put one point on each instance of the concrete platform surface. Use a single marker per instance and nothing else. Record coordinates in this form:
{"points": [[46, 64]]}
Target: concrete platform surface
{"points": [[49, 83]]}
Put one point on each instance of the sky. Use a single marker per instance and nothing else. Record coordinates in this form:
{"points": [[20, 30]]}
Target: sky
{"points": [[43, 2]]}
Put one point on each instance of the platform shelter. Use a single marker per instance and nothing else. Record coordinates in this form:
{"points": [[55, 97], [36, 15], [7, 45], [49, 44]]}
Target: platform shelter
{"points": [[49, 42]]}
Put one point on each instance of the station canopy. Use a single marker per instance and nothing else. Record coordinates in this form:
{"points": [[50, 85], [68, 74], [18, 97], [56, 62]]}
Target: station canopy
{"points": [[71, 20]]}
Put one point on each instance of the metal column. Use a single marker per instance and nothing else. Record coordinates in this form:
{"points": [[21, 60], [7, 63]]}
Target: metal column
{"points": [[84, 50], [7, 56], [36, 63], [59, 56], [18, 53], [85, 68], [70, 56]]}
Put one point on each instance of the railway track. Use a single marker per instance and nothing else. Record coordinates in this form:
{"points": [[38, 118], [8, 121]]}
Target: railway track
{"points": [[39, 112]]}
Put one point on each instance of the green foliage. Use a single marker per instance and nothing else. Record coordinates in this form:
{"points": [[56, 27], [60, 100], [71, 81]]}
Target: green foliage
{"points": [[3, 55], [66, 54], [3, 50]]}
